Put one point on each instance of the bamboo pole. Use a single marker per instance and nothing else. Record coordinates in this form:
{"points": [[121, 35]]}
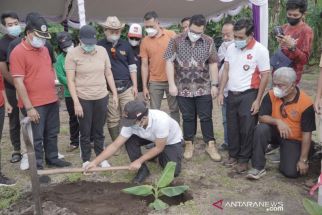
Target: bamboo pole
{"points": [[78, 170]]}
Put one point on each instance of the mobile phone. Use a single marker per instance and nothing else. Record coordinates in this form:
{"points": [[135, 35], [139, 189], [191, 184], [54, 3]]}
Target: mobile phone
{"points": [[278, 31]]}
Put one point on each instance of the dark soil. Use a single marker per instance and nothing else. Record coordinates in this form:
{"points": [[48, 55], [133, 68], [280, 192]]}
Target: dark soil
{"points": [[92, 198]]}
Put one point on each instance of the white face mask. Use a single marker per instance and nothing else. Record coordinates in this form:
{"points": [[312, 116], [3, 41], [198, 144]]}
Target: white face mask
{"points": [[193, 37], [151, 32], [279, 93], [37, 42], [113, 38], [134, 42], [14, 30]]}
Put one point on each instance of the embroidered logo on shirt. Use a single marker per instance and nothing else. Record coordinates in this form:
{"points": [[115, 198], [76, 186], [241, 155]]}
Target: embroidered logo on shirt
{"points": [[123, 53], [249, 56], [246, 67]]}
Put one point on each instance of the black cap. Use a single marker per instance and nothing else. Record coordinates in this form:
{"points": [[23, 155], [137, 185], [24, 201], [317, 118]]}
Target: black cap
{"points": [[64, 40], [133, 111], [38, 25], [87, 35]]}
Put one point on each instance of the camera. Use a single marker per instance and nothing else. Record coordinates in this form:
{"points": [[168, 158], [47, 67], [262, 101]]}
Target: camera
{"points": [[278, 31]]}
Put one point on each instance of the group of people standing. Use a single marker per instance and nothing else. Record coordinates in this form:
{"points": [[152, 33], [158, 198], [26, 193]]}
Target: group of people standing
{"points": [[103, 79]]}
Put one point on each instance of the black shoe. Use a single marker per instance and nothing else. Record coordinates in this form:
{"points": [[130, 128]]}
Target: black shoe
{"points": [[223, 147], [4, 181], [141, 175], [44, 179], [15, 157], [58, 163]]}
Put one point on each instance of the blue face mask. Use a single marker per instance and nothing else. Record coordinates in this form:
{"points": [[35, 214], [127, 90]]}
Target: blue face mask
{"points": [[37, 42], [14, 30], [240, 44], [88, 48]]}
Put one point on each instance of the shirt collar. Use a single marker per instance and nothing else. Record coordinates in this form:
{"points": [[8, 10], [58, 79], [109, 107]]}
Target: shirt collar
{"points": [[251, 44]]}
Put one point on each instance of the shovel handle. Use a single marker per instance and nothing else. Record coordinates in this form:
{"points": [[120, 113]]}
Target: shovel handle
{"points": [[77, 170]]}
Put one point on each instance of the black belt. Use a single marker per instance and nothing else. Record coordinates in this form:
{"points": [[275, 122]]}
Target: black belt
{"points": [[237, 93]]}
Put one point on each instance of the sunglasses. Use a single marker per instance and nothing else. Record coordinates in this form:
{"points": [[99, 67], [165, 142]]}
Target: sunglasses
{"points": [[113, 52], [134, 38]]}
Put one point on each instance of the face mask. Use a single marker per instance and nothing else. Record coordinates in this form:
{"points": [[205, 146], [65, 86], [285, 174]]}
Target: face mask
{"points": [[68, 48], [14, 30], [134, 42], [278, 92], [37, 42], [151, 32], [193, 37], [240, 44], [88, 48], [113, 38], [293, 21]]}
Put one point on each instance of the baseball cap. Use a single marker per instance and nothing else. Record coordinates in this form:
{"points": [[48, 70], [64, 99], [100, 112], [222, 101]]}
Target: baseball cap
{"points": [[133, 111], [87, 35], [38, 25], [135, 31], [64, 40]]}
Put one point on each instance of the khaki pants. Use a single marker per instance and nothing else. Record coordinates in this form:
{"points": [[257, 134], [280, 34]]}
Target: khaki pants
{"points": [[157, 90], [114, 114]]}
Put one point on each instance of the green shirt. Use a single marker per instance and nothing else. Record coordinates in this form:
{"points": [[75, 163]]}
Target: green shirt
{"points": [[61, 73]]}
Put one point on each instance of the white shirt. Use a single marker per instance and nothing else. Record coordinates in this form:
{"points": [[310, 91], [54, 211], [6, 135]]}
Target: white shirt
{"points": [[246, 66], [160, 125], [221, 55]]}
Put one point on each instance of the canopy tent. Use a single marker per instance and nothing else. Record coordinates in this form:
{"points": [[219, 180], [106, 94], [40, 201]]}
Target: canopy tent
{"points": [[129, 11]]}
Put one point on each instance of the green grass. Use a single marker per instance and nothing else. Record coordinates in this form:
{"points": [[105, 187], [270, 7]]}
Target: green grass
{"points": [[9, 195], [73, 177]]}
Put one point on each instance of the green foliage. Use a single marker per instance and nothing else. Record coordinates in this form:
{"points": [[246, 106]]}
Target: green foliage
{"points": [[312, 207], [8, 196], [159, 188]]}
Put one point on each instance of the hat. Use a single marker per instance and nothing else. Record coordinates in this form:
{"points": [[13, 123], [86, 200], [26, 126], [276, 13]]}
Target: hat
{"points": [[133, 111], [64, 40], [38, 25], [87, 35], [135, 31], [112, 22]]}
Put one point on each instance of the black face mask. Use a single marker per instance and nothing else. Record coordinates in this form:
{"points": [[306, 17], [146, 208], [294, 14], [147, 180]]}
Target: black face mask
{"points": [[293, 21]]}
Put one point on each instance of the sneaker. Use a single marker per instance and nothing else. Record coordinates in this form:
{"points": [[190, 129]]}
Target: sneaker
{"points": [[60, 156], [24, 164], [104, 164], [230, 162], [58, 163], [255, 173], [188, 151], [85, 164], [212, 151], [274, 158], [4, 181], [271, 148]]}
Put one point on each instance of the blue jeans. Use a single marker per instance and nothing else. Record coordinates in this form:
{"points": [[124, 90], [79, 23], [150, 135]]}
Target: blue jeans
{"points": [[224, 120]]}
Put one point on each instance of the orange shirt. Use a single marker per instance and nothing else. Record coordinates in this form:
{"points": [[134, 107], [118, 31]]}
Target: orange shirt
{"points": [[153, 49], [35, 66]]}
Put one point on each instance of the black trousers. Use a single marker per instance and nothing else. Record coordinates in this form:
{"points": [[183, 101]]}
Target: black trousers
{"points": [[45, 133], [240, 125], [170, 153], [14, 120], [73, 122], [290, 150], [92, 124], [2, 113], [202, 105]]}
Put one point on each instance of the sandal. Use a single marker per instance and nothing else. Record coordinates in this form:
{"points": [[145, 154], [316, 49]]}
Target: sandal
{"points": [[71, 148], [15, 157]]}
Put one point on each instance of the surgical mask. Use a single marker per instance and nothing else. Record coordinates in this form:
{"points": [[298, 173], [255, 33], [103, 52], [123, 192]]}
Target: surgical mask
{"points": [[134, 42], [279, 93], [68, 48], [240, 44], [14, 30], [193, 37], [88, 48], [293, 21], [113, 38], [151, 32], [37, 42]]}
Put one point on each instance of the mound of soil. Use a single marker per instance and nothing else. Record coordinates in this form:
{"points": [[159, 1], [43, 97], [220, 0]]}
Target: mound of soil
{"points": [[92, 198]]}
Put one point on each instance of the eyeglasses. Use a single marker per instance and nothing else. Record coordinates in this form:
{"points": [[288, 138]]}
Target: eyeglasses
{"points": [[134, 38], [283, 110], [113, 52]]}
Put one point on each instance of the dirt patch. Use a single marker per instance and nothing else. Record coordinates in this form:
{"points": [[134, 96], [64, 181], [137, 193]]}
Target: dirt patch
{"points": [[93, 198]]}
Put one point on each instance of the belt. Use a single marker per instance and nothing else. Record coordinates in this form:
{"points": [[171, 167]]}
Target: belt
{"points": [[237, 93]]}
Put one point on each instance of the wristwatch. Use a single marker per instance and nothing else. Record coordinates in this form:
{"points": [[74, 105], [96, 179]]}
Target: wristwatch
{"points": [[306, 161], [214, 84]]}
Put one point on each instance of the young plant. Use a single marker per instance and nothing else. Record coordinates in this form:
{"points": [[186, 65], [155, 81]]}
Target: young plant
{"points": [[311, 207], [159, 188]]}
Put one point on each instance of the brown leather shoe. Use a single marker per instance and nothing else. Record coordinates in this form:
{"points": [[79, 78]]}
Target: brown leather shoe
{"points": [[241, 168], [188, 151], [230, 162], [212, 151]]}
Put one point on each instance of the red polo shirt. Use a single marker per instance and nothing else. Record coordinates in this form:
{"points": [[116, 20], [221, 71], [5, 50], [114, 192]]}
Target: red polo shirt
{"points": [[36, 67]]}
